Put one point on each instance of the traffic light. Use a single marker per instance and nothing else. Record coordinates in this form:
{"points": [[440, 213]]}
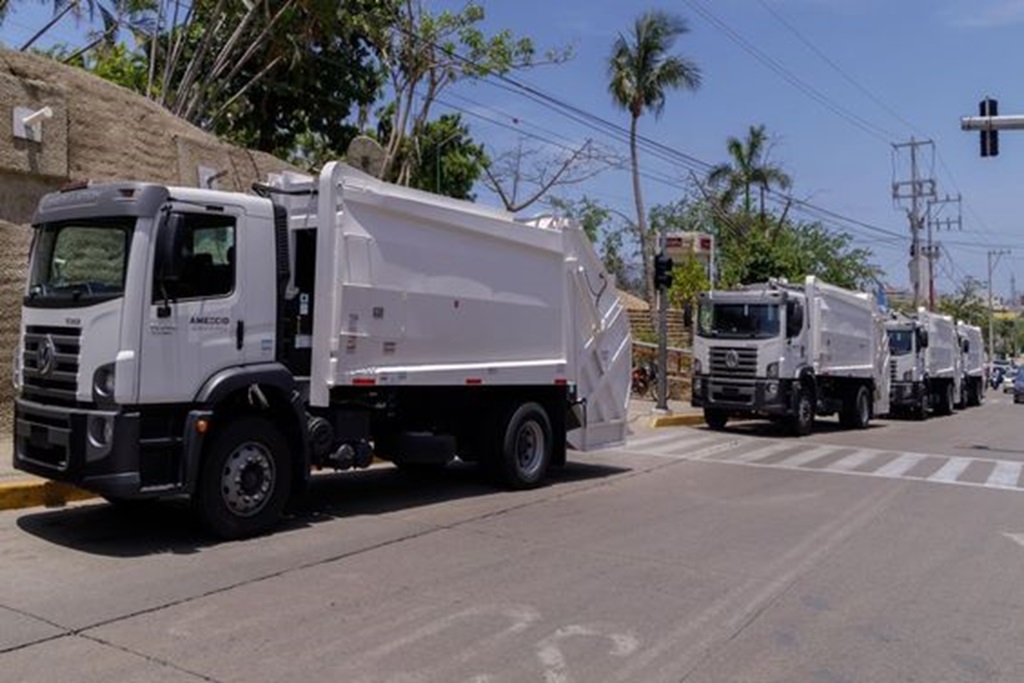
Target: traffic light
{"points": [[662, 271], [989, 137]]}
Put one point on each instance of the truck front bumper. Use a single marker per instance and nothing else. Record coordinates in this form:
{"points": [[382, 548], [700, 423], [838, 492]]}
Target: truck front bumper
{"points": [[104, 451], [906, 394], [773, 397]]}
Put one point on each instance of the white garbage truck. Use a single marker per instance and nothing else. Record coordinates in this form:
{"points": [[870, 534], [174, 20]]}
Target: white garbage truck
{"points": [[220, 345], [925, 363], [972, 362], [790, 352]]}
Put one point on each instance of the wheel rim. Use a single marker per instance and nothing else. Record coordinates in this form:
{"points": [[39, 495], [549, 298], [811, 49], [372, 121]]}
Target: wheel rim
{"points": [[862, 407], [805, 409], [247, 480], [529, 448]]}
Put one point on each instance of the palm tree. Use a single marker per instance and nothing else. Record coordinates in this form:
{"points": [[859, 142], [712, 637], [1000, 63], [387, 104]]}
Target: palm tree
{"points": [[641, 71], [749, 168]]}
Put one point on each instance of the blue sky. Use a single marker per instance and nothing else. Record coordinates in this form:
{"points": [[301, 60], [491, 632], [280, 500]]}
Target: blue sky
{"points": [[890, 69]]}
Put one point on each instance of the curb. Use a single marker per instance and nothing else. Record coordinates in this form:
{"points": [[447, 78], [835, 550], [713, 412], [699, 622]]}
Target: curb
{"points": [[28, 494], [676, 420]]}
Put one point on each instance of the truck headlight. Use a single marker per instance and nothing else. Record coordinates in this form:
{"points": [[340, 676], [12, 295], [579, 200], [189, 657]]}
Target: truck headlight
{"points": [[772, 370], [103, 381], [771, 389], [908, 376]]}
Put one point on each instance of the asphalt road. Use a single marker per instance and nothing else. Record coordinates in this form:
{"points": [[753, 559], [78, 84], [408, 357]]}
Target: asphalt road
{"points": [[890, 554]]}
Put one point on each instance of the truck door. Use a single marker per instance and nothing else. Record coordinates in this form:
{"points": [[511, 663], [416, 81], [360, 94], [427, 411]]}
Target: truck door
{"points": [[194, 323]]}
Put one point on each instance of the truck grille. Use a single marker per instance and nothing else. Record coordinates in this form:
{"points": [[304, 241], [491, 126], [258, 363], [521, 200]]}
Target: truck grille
{"points": [[892, 370], [745, 364], [50, 367]]}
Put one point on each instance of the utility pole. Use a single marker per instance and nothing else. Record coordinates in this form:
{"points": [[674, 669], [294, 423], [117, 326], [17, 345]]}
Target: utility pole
{"points": [[915, 190], [991, 309], [932, 249]]}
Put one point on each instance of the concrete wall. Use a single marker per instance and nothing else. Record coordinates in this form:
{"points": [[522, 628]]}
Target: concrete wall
{"points": [[98, 131]]}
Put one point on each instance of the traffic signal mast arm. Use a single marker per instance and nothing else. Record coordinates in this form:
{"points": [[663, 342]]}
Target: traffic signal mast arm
{"points": [[1015, 122]]}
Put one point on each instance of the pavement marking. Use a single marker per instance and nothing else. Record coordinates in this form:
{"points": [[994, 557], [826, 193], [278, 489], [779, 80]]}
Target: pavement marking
{"points": [[656, 439], [1004, 474], [801, 459], [735, 449], [951, 471], [758, 453], [679, 447], [900, 466], [852, 461]]}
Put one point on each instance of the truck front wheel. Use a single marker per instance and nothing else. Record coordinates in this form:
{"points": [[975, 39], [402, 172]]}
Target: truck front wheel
{"points": [[803, 420], [245, 479], [524, 453], [716, 419]]}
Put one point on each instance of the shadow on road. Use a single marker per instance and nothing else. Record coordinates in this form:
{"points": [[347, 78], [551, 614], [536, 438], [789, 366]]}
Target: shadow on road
{"points": [[167, 526], [779, 429]]}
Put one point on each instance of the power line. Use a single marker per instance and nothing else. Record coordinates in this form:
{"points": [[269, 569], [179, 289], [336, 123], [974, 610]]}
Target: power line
{"points": [[779, 69]]}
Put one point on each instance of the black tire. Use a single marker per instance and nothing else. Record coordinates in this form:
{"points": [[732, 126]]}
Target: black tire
{"points": [[946, 400], [802, 421], [245, 479], [716, 419], [862, 409], [524, 452]]}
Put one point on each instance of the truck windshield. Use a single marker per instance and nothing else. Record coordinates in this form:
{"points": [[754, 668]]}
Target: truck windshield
{"points": [[901, 342], [79, 263], [747, 321]]}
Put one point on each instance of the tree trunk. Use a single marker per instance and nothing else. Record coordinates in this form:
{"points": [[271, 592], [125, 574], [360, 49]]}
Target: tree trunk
{"points": [[646, 248]]}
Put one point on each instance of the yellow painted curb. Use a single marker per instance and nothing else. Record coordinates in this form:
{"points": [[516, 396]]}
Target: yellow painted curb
{"points": [[27, 494], [688, 420]]}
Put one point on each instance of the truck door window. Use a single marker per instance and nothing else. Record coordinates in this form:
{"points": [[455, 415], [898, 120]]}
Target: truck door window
{"points": [[206, 260]]}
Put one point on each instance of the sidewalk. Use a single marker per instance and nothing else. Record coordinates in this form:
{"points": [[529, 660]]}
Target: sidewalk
{"points": [[20, 490]]}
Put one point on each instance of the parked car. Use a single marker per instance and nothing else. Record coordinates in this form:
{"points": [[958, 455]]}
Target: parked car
{"points": [[1018, 388], [1009, 379]]}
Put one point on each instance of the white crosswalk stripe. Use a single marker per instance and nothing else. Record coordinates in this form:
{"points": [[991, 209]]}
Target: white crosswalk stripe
{"points": [[802, 458], [900, 466], [1005, 473], [738, 449], [952, 470]]}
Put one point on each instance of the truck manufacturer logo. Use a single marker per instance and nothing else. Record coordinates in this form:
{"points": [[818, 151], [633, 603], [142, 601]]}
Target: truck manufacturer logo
{"points": [[732, 359], [46, 356]]}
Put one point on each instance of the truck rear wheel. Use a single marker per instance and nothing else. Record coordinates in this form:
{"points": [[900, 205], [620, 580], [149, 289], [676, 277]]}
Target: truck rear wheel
{"points": [[857, 413], [946, 400], [524, 452], [245, 479]]}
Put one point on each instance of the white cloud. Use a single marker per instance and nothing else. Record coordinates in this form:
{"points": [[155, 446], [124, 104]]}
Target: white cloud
{"points": [[991, 14]]}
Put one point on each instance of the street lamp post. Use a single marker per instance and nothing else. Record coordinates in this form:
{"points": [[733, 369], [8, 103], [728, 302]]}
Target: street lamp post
{"points": [[437, 160]]}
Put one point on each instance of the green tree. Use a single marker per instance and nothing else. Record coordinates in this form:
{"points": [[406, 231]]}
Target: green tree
{"points": [[748, 168], [641, 71], [793, 252], [421, 54], [967, 303], [447, 162], [281, 76]]}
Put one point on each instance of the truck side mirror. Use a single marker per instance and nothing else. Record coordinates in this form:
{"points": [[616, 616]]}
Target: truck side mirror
{"points": [[922, 338], [966, 345], [794, 318], [169, 242]]}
